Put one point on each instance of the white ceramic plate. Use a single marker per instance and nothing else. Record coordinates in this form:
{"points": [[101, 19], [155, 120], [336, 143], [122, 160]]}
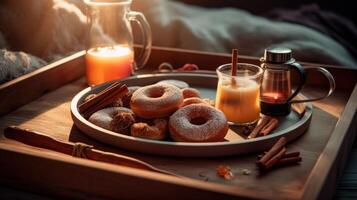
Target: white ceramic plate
{"points": [[291, 126]]}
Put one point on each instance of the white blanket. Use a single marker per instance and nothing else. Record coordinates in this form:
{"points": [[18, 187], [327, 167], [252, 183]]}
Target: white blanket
{"points": [[219, 30]]}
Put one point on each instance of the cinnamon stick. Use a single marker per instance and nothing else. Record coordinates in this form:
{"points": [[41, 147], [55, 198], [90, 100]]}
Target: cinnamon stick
{"points": [[288, 161], [272, 152], [277, 156], [286, 155], [259, 127], [234, 65], [291, 154], [41, 140], [103, 99], [272, 161], [234, 62], [268, 128], [283, 161], [87, 104], [108, 99]]}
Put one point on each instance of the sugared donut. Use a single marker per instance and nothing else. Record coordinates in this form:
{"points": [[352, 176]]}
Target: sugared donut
{"points": [[157, 131], [195, 100], [112, 119], [156, 101], [198, 123], [177, 83], [190, 92]]}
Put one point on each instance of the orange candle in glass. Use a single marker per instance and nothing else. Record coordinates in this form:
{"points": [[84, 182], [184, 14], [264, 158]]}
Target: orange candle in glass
{"points": [[108, 63]]}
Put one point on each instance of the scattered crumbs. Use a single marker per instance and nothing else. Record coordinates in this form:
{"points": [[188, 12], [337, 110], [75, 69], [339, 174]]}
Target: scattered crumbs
{"points": [[202, 174], [225, 172], [246, 172], [229, 175]]}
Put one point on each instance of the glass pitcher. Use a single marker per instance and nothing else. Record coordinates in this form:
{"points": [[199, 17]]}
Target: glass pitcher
{"points": [[109, 51], [276, 94]]}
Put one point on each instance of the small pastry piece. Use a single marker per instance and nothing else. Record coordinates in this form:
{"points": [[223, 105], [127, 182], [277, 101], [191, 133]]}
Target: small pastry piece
{"points": [[195, 100], [104, 119], [156, 101], [118, 103], [158, 131], [190, 92], [122, 122], [177, 83], [126, 99], [198, 123]]}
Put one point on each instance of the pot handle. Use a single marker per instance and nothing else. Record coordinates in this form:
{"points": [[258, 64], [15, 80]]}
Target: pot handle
{"points": [[140, 19], [330, 79], [302, 74]]}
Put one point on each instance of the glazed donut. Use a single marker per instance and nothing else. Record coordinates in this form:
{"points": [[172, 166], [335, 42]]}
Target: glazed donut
{"points": [[117, 119], [155, 132], [156, 101], [198, 123], [177, 83], [195, 100], [190, 92]]}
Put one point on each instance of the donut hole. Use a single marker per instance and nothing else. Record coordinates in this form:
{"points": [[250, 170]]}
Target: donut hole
{"points": [[156, 92], [198, 120]]}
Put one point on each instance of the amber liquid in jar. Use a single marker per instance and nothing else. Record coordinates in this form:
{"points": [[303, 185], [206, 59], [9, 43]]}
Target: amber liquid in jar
{"points": [[240, 101]]}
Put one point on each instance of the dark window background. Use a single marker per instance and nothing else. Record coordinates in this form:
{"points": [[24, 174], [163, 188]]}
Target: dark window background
{"points": [[344, 8]]}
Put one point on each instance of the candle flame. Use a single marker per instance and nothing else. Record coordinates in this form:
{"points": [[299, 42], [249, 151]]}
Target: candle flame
{"points": [[111, 51]]}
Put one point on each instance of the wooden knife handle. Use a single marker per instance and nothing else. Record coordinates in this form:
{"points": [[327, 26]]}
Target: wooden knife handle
{"points": [[41, 140]]}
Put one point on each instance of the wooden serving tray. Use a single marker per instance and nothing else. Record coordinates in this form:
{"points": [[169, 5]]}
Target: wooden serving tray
{"points": [[324, 147]]}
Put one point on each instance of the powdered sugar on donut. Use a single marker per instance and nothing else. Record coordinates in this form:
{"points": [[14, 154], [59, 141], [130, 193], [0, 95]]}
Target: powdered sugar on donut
{"points": [[213, 128], [158, 100], [177, 83]]}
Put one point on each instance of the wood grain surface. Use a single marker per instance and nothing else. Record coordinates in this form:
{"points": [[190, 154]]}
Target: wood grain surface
{"points": [[50, 114]]}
